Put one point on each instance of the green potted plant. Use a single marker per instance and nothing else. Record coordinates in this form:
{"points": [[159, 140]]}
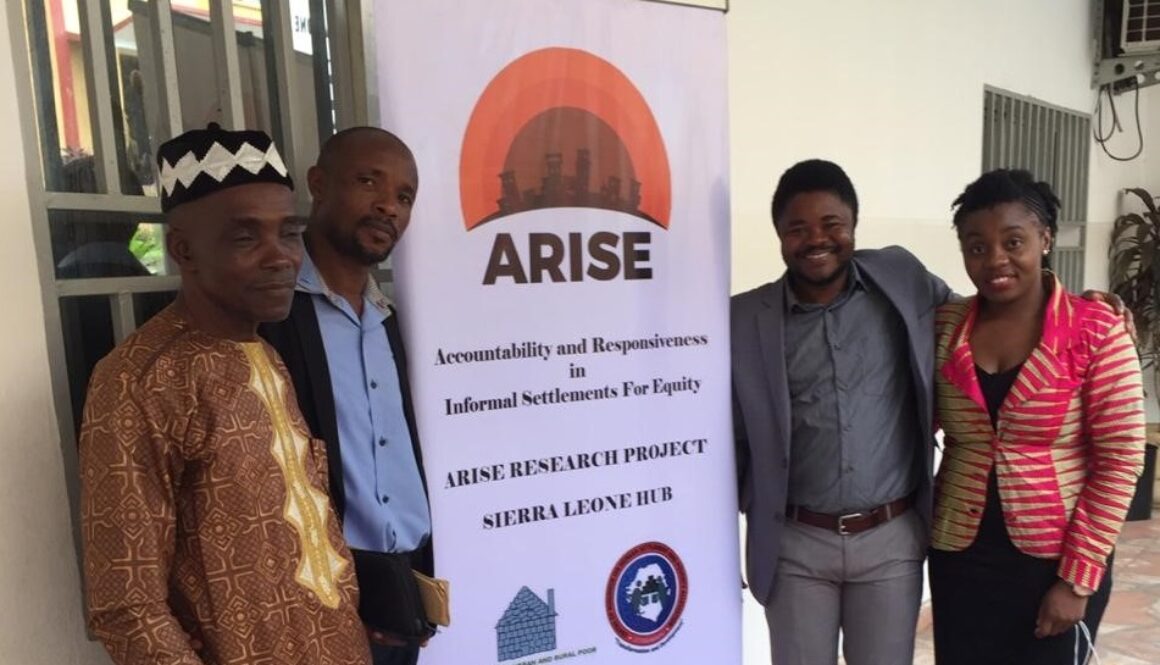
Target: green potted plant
{"points": [[1135, 276]]}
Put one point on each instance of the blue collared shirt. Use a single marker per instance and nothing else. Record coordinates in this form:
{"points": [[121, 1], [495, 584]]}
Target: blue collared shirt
{"points": [[386, 506]]}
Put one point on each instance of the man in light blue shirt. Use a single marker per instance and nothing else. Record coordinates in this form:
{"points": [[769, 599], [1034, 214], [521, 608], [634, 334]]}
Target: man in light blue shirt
{"points": [[344, 351]]}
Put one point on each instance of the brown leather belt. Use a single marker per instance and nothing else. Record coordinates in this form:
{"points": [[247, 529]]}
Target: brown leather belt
{"points": [[851, 523]]}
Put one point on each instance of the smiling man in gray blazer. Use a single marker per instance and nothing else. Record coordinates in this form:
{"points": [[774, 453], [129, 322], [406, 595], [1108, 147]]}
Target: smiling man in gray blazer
{"points": [[832, 372]]}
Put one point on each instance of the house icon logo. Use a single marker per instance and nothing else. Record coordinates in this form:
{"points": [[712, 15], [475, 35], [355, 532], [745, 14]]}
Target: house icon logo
{"points": [[563, 128], [528, 626], [646, 596]]}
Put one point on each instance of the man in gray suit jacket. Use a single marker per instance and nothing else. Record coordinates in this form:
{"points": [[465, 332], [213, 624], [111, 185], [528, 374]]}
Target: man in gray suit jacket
{"points": [[832, 372]]}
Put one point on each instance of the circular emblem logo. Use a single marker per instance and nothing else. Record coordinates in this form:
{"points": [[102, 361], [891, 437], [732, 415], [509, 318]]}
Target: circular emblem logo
{"points": [[646, 595]]}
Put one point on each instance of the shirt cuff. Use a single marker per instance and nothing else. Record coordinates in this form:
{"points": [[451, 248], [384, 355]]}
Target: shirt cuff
{"points": [[1081, 571]]}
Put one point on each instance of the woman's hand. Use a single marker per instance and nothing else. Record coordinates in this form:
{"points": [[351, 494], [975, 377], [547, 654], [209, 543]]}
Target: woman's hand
{"points": [[1060, 609]]}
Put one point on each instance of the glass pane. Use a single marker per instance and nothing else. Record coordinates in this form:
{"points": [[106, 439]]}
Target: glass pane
{"points": [[135, 95], [252, 63], [148, 246], [87, 245], [54, 29], [300, 22], [87, 325], [196, 70], [146, 305], [310, 71]]}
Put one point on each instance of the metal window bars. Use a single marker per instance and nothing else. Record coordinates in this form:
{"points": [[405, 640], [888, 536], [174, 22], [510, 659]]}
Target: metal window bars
{"points": [[347, 98], [1053, 143]]}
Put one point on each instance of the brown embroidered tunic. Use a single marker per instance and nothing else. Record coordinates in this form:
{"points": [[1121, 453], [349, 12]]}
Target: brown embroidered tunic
{"points": [[208, 534]]}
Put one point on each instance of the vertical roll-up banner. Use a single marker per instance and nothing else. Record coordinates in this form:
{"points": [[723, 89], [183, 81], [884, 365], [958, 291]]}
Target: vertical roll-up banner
{"points": [[564, 294]]}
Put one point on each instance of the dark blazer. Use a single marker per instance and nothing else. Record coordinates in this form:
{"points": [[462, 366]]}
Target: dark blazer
{"points": [[761, 417], [298, 340]]}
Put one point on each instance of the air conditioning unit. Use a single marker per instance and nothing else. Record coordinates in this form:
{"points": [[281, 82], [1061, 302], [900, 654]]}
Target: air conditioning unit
{"points": [[1140, 28]]}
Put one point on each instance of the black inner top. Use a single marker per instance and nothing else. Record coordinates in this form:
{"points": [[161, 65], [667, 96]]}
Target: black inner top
{"points": [[995, 388]]}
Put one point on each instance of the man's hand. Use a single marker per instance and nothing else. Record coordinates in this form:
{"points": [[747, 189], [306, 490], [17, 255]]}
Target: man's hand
{"points": [[1117, 304], [384, 639], [1060, 610], [388, 640]]}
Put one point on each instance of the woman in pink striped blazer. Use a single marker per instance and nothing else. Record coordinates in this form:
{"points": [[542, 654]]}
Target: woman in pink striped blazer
{"points": [[1040, 399]]}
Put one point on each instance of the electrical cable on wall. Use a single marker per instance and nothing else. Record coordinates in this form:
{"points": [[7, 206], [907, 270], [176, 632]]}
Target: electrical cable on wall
{"points": [[1098, 126]]}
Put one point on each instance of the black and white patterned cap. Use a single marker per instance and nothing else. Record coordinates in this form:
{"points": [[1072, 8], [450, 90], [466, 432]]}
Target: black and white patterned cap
{"points": [[203, 161]]}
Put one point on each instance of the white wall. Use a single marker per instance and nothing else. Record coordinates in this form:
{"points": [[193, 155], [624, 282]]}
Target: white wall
{"points": [[1109, 178], [893, 91], [40, 599]]}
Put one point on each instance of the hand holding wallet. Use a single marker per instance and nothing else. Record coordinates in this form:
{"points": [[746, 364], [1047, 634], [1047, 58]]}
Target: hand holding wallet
{"points": [[389, 596], [436, 595]]}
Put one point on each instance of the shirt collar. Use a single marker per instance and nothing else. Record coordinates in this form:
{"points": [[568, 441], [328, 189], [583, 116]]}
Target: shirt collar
{"points": [[855, 282], [311, 281]]}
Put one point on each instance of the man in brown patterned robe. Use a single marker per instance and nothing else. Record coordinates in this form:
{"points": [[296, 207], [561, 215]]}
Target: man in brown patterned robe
{"points": [[208, 534]]}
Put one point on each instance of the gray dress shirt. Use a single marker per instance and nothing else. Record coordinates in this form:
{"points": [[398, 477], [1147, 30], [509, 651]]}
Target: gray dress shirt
{"points": [[854, 421]]}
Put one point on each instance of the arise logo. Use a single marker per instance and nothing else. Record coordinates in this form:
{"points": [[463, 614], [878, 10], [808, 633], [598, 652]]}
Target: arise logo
{"points": [[563, 128]]}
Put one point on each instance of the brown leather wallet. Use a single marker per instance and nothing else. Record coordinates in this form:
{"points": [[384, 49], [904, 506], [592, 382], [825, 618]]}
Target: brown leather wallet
{"points": [[851, 523]]}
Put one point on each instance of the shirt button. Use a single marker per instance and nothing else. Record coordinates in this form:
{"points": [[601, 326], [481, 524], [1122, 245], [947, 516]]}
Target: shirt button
{"points": [[382, 440], [386, 499], [374, 384]]}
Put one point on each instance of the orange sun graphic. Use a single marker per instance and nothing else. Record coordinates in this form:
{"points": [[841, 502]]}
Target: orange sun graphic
{"points": [[560, 127]]}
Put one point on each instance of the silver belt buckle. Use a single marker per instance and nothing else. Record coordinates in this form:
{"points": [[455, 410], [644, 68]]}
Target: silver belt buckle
{"points": [[842, 523]]}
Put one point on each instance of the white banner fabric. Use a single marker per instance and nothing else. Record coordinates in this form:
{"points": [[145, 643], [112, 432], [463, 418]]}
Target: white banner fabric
{"points": [[563, 289]]}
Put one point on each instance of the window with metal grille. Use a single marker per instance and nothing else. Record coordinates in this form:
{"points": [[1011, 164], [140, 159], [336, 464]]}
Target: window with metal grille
{"points": [[1053, 143], [102, 83]]}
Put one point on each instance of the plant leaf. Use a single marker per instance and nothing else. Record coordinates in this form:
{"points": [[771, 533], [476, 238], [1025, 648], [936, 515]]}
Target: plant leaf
{"points": [[1144, 196], [1134, 270]]}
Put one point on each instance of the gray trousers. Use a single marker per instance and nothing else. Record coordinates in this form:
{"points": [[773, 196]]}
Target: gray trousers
{"points": [[867, 585]]}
